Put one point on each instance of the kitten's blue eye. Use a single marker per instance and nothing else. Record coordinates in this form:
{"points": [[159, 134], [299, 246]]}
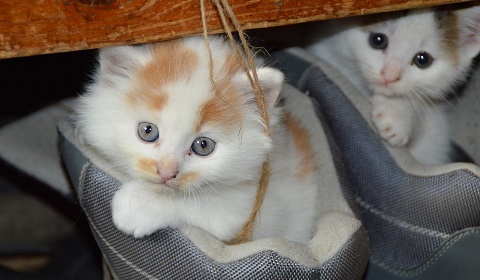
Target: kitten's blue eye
{"points": [[203, 146], [148, 132], [422, 59], [378, 41]]}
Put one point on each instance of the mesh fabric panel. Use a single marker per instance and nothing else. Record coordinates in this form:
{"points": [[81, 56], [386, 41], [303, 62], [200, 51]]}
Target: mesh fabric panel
{"points": [[168, 254], [407, 217]]}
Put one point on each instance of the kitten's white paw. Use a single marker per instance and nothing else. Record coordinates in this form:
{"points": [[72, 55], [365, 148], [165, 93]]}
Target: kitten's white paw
{"points": [[130, 215], [388, 120]]}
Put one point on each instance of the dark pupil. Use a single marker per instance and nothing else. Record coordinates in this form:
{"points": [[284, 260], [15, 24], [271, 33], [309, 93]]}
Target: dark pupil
{"points": [[203, 144], [148, 129], [422, 58], [378, 40]]}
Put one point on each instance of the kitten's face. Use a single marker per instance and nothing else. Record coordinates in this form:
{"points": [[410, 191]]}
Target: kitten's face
{"points": [[166, 127], [407, 56]]}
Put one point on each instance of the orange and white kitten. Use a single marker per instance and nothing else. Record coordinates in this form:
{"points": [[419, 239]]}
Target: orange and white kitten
{"points": [[192, 151], [408, 63]]}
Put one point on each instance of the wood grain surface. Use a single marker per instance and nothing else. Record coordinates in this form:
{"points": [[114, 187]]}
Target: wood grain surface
{"points": [[31, 27]]}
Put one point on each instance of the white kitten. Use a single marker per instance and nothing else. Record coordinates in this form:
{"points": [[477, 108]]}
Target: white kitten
{"points": [[407, 63], [192, 152]]}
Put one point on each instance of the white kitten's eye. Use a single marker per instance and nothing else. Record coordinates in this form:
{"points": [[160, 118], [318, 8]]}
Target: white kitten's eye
{"points": [[422, 59], [148, 132], [378, 41], [203, 146]]}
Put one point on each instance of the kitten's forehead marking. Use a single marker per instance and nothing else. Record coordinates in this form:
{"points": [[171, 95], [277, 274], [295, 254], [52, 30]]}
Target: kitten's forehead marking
{"points": [[223, 107], [447, 22], [171, 61]]}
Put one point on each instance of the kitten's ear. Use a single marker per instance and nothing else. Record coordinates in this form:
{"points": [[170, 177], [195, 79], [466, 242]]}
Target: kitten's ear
{"points": [[271, 83], [469, 23], [122, 61]]}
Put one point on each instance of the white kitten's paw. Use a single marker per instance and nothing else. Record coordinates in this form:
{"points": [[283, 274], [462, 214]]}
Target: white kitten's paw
{"points": [[130, 215], [388, 120]]}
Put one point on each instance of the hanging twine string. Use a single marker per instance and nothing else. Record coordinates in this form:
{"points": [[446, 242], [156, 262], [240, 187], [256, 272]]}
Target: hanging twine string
{"points": [[249, 66], [205, 37]]}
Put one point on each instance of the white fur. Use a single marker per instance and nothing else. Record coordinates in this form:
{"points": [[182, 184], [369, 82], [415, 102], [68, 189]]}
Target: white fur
{"points": [[221, 198], [402, 111]]}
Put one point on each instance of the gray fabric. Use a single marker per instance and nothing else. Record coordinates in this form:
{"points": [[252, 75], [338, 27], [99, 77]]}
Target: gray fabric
{"points": [[168, 254], [408, 217], [76, 161], [458, 258]]}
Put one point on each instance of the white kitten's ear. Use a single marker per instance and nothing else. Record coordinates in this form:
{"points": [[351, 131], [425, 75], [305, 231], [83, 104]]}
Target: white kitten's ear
{"points": [[469, 23], [122, 61], [271, 83]]}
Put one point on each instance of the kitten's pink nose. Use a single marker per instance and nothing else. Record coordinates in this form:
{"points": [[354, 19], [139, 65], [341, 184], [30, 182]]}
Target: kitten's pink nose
{"points": [[168, 174], [167, 169], [390, 73]]}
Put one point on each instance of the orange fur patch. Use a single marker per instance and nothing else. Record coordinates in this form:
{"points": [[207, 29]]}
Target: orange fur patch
{"points": [[147, 165], [302, 145], [223, 108], [171, 61], [186, 179], [447, 23]]}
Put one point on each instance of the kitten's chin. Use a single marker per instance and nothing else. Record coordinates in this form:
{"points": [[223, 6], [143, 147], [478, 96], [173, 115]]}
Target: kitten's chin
{"points": [[162, 187], [384, 90]]}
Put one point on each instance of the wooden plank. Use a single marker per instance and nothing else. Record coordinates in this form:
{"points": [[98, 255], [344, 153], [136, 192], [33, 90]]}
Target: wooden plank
{"points": [[31, 27]]}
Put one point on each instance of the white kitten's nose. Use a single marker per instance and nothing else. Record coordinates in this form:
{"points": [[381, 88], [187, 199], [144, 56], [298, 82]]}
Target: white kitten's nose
{"points": [[168, 175], [391, 73], [167, 169]]}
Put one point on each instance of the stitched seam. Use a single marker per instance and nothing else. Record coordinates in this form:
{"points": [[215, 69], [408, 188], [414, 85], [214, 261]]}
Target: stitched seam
{"points": [[81, 179], [436, 255], [120, 256], [400, 223]]}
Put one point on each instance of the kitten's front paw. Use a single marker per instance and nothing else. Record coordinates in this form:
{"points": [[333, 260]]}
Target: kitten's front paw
{"points": [[388, 120], [129, 215]]}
